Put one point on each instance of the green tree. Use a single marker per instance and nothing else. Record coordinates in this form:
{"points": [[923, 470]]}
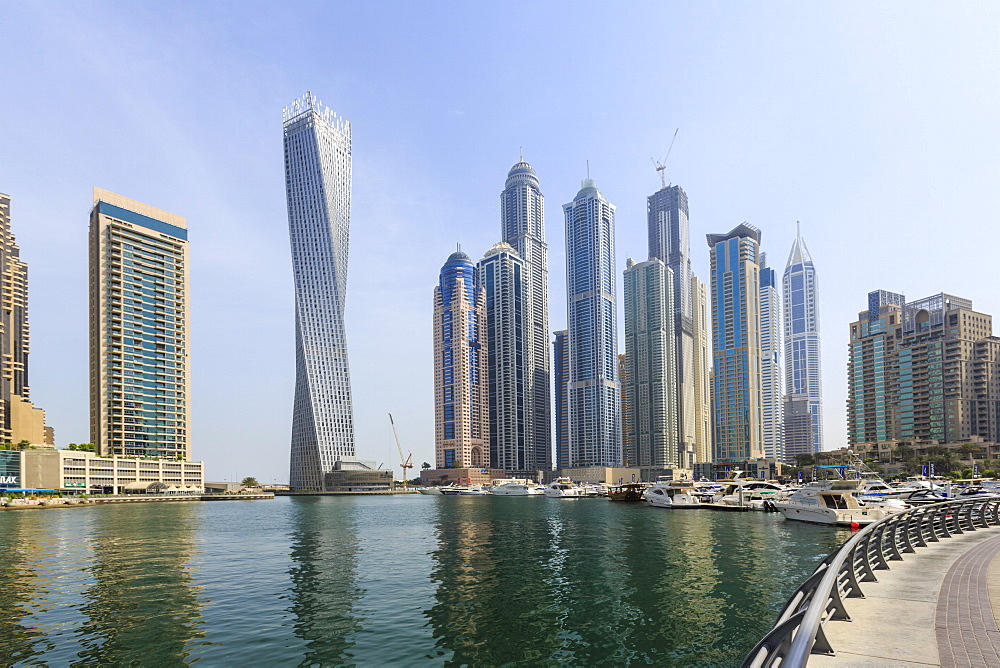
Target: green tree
{"points": [[903, 453], [805, 459], [250, 481]]}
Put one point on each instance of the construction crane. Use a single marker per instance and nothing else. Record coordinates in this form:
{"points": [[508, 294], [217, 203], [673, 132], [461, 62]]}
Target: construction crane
{"points": [[406, 463], [661, 165]]}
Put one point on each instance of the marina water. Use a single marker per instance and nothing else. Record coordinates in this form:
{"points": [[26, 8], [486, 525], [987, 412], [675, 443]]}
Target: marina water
{"points": [[402, 580]]}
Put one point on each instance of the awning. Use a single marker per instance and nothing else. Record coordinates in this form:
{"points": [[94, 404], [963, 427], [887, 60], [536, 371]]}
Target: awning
{"points": [[23, 490], [144, 486]]}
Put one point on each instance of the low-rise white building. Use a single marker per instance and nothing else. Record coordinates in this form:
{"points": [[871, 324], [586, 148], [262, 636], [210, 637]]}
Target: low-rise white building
{"points": [[87, 472]]}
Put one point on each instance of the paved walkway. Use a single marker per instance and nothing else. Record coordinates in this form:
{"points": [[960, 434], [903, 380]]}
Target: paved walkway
{"points": [[933, 608]]}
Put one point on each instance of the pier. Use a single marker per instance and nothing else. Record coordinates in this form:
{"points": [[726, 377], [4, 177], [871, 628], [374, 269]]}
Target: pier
{"points": [[919, 588], [75, 502]]}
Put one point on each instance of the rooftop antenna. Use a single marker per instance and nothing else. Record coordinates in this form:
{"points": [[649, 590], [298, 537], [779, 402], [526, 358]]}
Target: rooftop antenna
{"points": [[661, 165], [521, 150], [588, 169]]}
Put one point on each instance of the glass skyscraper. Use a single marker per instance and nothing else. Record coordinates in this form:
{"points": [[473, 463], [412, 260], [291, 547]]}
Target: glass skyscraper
{"points": [[649, 398], [803, 374], [461, 376], [522, 213], [139, 381], [593, 391], [669, 241], [318, 192], [560, 356], [772, 396], [736, 343], [503, 277]]}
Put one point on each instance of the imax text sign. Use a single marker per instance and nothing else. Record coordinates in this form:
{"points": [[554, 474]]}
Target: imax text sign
{"points": [[8, 479]]}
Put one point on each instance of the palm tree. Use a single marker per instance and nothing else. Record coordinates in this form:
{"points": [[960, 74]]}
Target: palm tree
{"points": [[250, 481]]}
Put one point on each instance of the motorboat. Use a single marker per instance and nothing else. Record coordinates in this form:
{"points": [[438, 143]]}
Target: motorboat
{"points": [[564, 488], [475, 490], [675, 494], [922, 497], [630, 491], [830, 502], [748, 494], [453, 490], [433, 491], [513, 489]]}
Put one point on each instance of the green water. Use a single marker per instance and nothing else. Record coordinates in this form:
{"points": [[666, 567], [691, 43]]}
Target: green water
{"points": [[402, 580]]}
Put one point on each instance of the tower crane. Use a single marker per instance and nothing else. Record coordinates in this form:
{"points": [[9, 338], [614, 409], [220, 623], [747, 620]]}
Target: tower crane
{"points": [[406, 463], [661, 165]]}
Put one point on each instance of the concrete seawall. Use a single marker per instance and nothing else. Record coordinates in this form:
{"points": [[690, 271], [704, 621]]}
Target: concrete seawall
{"points": [[74, 502]]}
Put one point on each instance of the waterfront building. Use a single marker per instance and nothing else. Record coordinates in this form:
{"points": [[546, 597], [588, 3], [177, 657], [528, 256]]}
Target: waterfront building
{"points": [[522, 213], [461, 377], [503, 277], [669, 241], [803, 373], [738, 423], [317, 146], [560, 355], [354, 475], [772, 400], [628, 458], [139, 377], [78, 472], [701, 323], [20, 420], [593, 393], [925, 370], [650, 397]]}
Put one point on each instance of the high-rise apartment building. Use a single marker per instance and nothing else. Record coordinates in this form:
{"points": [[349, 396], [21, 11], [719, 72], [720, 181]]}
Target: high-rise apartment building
{"points": [[736, 344], [19, 419], [803, 373], [522, 213], [318, 192], [772, 396], [560, 357], [650, 398], [461, 376], [139, 379], [503, 277], [702, 381], [594, 427], [628, 458], [922, 370], [669, 241]]}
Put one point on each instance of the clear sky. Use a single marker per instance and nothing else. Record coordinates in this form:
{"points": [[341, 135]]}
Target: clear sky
{"points": [[874, 124]]}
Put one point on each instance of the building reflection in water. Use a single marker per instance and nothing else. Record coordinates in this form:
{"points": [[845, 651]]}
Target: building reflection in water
{"points": [[24, 587], [324, 592], [143, 606], [543, 581]]}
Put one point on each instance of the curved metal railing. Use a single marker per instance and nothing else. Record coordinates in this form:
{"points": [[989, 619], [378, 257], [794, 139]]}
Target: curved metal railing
{"points": [[798, 633]]}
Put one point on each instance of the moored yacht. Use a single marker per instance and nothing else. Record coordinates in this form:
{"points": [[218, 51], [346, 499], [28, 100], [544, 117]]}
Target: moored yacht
{"points": [[514, 489], [676, 494], [564, 488], [830, 502], [475, 490]]}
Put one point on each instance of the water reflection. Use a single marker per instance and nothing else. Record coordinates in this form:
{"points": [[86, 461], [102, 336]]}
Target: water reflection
{"points": [[585, 582], [324, 550], [143, 602], [23, 587]]}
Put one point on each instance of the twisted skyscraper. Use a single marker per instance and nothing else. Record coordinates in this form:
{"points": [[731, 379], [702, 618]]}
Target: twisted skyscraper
{"points": [[522, 212], [318, 191]]}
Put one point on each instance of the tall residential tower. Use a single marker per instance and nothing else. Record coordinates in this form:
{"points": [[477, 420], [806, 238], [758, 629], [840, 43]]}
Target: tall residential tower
{"points": [[772, 396], [503, 277], [736, 344], [139, 380], [318, 192], [19, 419], [803, 373], [522, 213], [461, 376], [593, 392]]}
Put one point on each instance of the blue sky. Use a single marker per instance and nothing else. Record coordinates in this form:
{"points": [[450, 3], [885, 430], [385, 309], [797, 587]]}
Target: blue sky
{"points": [[873, 124]]}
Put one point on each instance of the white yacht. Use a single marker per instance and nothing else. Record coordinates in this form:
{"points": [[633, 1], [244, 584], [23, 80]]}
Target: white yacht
{"points": [[514, 489], [564, 488], [434, 491], [748, 494], [677, 494], [475, 490], [453, 490], [830, 502]]}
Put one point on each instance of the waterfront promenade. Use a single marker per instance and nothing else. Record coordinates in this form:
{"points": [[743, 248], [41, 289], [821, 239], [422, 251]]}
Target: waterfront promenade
{"points": [[937, 607]]}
